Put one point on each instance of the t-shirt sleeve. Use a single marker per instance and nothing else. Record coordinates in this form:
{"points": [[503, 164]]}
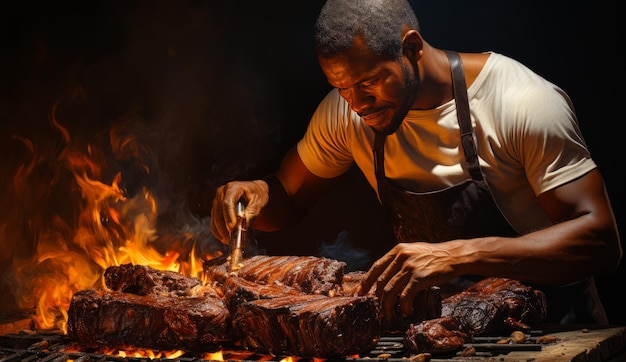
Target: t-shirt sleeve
{"points": [[323, 148], [550, 144]]}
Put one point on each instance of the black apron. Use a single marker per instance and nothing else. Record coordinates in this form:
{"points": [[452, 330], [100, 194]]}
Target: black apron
{"points": [[467, 210]]}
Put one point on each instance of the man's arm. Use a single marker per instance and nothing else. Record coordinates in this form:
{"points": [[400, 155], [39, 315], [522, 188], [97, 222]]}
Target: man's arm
{"points": [[583, 241], [272, 203], [293, 190], [585, 227]]}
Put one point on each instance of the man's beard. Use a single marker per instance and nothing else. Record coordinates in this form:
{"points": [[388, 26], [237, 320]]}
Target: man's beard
{"points": [[412, 85]]}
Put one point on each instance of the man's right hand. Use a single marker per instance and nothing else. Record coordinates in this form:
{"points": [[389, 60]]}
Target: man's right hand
{"points": [[255, 196]]}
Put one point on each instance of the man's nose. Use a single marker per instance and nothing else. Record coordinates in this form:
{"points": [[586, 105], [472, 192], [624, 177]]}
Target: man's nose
{"points": [[360, 100]]}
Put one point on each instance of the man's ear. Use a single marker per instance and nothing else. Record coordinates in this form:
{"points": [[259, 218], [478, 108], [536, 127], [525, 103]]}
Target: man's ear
{"points": [[412, 44]]}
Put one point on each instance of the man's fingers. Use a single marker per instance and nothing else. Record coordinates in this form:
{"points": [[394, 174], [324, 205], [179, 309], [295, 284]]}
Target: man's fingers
{"points": [[371, 276], [405, 299], [218, 227], [388, 278], [390, 292], [223, 213]]}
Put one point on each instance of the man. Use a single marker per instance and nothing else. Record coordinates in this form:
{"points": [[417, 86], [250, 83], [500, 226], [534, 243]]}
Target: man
{"points": [[478, 161]]}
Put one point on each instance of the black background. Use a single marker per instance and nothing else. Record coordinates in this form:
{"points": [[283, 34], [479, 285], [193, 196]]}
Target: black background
{"points": [[222, 89]]}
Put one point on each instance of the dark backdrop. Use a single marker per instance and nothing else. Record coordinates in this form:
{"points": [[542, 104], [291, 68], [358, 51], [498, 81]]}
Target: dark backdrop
{"points": [[223, 89]]}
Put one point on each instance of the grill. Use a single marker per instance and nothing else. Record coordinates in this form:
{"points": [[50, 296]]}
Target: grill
{"points": [[57, 347]]}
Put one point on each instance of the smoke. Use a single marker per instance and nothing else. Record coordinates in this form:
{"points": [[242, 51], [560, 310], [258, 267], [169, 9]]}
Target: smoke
{"points": [[342, 249], [174, 97]]}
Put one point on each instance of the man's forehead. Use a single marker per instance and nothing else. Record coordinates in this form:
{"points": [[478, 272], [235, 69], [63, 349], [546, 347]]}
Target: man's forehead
{"points": [[352, 66]]}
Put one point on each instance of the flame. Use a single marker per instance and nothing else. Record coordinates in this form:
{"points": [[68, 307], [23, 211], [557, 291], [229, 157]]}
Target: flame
{"points": [[140, 353], [73, 219], [130, 352], [143, 353], [214, 356]]}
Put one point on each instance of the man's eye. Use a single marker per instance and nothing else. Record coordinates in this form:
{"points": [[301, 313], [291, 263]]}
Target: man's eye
{"points": [[369, 84]]}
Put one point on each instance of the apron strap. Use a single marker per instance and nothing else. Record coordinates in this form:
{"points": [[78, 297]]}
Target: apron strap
{"points": [[463, 115], [379, 159]]}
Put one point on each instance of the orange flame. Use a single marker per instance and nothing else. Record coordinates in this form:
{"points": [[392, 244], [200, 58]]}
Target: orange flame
{"points": [[214, 356], [79, 224]]}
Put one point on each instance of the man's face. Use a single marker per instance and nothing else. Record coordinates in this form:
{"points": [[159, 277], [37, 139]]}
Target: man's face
{"points": [[380, 90]]}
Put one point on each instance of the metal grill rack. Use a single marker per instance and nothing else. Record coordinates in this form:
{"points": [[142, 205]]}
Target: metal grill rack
{"points": [[57, 347]]}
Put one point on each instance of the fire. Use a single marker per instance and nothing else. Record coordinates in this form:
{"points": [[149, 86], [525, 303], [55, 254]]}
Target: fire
{"points": [[214, 356], [149, 354], [76, 218]]}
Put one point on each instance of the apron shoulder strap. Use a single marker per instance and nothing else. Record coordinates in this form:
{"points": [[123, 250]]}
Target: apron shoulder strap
{"points": [[463, 114], [379, 159]]}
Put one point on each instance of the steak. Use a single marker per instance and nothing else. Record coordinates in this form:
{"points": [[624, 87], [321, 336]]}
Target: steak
{"points": [[238, 290], [436, 336], [308, 274], [282, 305], [426, 304], [350, 282], [116, 319], [309, 325], [496, 305], [144, 280]]}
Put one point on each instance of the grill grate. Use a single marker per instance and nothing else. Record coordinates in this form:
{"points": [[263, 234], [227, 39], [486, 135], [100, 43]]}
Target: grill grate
{"points": [[57, 347]]}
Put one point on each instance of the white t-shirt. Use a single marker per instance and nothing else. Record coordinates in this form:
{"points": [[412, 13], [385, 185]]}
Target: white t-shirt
{"points": [[525, 129]]}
